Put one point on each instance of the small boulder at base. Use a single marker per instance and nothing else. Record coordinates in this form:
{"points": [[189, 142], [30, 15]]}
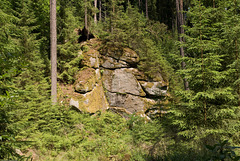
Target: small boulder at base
{"points": [[90, 102]]}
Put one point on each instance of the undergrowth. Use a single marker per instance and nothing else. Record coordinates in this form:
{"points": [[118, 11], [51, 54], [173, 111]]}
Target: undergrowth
{"points": [[64, 133]]}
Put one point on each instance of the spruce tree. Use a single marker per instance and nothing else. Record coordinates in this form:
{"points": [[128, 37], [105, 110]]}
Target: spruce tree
{"points": [[210, 104]]}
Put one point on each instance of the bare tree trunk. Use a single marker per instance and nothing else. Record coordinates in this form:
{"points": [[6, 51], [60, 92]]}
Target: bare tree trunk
{"points": [[112, 16], [86, 19], [53, 39], [180, 20], [85, 14], [95, 14], [146, 9], [100, 10]]}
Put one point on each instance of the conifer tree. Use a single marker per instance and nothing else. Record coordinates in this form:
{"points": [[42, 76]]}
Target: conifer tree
{"points": [[209, 104], [180, 25]]}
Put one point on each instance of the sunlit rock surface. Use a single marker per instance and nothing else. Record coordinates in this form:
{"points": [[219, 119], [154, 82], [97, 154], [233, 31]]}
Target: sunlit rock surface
{"points": [[110, 79]]}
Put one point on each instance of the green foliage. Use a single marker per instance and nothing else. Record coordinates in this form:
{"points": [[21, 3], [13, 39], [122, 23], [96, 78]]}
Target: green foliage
{"points": [[222, 151], [68, 58], [206, 110], [209, 111]]}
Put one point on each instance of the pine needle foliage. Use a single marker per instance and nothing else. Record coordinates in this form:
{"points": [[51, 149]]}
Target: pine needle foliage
{"points": [[206, 110]]}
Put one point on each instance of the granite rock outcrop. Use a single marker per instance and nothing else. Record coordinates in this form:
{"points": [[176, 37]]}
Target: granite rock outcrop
{"points": [[110, 79]]}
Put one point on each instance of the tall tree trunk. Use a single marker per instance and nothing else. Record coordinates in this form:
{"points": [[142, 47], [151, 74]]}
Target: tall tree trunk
{"points": [[95, 14], [237, 57], [86, 19], [112, 16], [100, 10], [146, 3], [53, 37], [180, 23]]}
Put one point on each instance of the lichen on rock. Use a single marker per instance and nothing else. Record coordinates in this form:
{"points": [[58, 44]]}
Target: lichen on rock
{"points": [[91, 102], [86, 80], [110, 79]]}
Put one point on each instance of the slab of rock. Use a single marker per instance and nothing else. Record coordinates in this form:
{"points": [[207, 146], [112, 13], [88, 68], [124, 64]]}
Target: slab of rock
{"points": [[122, 81], [91, 58], [129, 56], [138, 74], [154, 88], [90, 102], [124, 54], [86, 80], [111, 63], [129, 102]]}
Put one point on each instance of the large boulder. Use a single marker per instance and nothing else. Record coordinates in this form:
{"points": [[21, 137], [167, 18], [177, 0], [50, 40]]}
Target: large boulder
{"points": [[91, 58], [154, 88], [129, 102], [122, 81], [129, 56], [137, 74], [90, 102], [111, 63], [86, 80], [124, 54]]}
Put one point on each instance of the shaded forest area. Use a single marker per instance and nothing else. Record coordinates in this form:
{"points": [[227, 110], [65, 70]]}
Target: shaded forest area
{"points": [[195, 44]]}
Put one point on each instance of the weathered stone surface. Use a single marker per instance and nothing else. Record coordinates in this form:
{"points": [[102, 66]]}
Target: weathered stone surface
{"points": [[111, 63], [92, 101], [112, 81], [111, 51], [129, 56], [122, 81], [74, 103], [91, 58], [154, 88], [138, 74], [86, 80], [129, 102], [125, 54]]}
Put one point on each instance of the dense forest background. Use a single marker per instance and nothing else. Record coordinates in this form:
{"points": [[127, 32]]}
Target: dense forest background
{"points": [[195, 44]]}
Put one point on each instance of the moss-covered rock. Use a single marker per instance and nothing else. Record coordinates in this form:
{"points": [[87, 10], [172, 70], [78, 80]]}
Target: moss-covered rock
{"points": [[90, 102], [129, 56], [86, 80], [91, 58], [110, 79], [154, 88], [111, 63]]}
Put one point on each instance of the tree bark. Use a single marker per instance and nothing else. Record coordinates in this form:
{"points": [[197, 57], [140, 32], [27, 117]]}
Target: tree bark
{"points": [[100, 10], [180, 23], [86, 19], [53, 39], [95, 14], [146, 3]]}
